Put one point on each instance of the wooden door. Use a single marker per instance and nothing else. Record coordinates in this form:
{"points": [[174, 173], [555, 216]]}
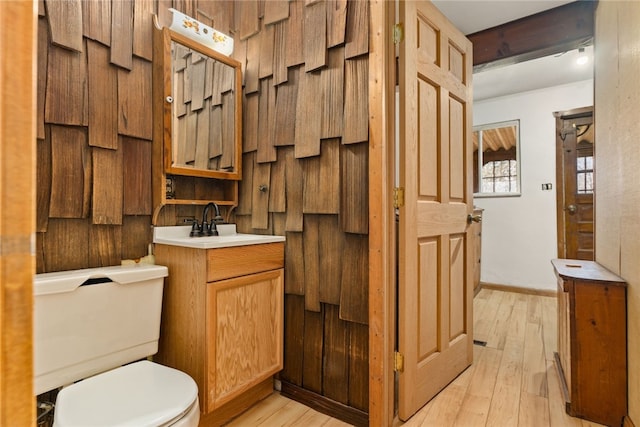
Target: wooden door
{"points": [[435, 249], [576, 183]]}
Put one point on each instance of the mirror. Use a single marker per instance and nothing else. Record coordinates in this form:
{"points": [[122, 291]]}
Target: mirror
{"points": [[496, 151], [202, 96]]}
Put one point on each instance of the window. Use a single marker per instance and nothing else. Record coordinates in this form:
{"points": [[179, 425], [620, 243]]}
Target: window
{"points": [[496, 164], [500, 176], [584, 167]]}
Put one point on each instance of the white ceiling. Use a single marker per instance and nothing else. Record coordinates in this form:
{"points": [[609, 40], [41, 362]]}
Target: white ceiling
{"points": [[538, 73], [470, 16]]}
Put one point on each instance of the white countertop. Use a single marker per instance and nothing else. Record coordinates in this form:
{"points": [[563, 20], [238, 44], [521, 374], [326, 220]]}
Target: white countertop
{"points": [[228, 237]]}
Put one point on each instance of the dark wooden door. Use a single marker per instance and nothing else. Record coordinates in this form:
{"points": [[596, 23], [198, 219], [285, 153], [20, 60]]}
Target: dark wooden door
{"points": [[575, 167]]}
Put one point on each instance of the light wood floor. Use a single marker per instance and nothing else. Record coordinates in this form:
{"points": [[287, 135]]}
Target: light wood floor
{"points": [[278, 411], [512, 382]]}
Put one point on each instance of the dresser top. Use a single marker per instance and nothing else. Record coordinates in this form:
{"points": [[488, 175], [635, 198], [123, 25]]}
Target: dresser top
{"points": [[584, 270]]}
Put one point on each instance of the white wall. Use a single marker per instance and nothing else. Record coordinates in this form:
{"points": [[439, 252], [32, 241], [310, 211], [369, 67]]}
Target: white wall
{"points": [[519, 233]]}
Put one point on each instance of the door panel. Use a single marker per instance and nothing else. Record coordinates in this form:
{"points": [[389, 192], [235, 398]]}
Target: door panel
{"points": [[456, 150], [435, 253], [428, 144], [427, 295], [457, 300]]}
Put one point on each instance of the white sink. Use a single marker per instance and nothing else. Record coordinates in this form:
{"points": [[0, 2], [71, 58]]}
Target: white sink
{"points": [[179, 236]]}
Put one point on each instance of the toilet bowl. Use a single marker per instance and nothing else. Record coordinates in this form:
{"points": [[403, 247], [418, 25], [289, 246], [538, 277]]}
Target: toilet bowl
{"points": [[140, 394], [92, 327]]}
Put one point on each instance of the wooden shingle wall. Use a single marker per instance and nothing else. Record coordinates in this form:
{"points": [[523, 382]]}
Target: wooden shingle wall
{"points": [[305, 175], [94, 130], [305, 161]]}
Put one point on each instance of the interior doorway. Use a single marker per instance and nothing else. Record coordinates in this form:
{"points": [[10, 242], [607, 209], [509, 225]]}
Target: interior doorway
{"points": [[575, 180]]}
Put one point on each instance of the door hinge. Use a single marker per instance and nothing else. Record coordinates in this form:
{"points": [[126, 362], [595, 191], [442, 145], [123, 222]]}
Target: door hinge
{"points": [[398, 33], [398, 197], [398, 362]]}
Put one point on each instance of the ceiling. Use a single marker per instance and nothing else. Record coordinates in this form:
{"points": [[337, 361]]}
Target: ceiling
{"points": [[471, 16]]}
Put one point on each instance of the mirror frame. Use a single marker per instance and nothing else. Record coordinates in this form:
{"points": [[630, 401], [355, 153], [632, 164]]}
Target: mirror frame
{"points": [[162, 66]]}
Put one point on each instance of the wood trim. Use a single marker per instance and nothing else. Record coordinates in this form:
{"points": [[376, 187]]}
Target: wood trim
{"points": [[574, 113], [560, 224], [546, 33], [627, 422], [325, 405], [160, 73], [477, 290], [519, 289], [18, 65], [381, 218]]}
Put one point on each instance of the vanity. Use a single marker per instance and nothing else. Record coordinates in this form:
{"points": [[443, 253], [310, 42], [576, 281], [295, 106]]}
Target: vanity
{"points": [[222, 315]]}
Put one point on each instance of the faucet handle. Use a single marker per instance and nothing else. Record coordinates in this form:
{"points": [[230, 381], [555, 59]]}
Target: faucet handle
{"points": [[195, 229], [211, 229]]}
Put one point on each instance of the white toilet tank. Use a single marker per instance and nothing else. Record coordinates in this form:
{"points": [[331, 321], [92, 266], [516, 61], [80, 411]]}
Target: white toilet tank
{"points": [[92, 320]]}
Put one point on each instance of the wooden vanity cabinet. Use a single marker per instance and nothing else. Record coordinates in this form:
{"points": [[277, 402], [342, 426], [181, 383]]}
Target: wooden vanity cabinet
{"points": [[592, 349], [222, 323]]}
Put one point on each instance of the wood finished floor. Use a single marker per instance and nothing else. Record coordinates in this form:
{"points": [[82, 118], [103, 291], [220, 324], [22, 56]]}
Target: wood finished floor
{"points": [[280, 411], [512, 382]]}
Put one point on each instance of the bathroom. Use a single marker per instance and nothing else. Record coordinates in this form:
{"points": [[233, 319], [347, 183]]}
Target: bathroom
{"points": [[95, 203], [68, 244]]}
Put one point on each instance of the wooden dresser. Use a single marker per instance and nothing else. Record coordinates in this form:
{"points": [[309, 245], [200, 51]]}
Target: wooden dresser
{"points": [[592, 341]]}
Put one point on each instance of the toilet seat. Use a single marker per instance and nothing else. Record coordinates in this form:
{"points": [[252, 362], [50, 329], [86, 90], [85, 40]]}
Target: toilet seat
{"points": [[140, 394]]}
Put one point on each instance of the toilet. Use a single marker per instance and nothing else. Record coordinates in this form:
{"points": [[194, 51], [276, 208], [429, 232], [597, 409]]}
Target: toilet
{"points": [[93, 328]]}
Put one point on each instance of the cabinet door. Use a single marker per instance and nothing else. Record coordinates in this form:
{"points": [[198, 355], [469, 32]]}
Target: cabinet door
{"points": [[244, 330]]}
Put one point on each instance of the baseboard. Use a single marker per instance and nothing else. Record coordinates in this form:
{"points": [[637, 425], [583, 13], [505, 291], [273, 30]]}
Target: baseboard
{"points": [[325, 405], [627, 422], [477, 290], [519, 289]]}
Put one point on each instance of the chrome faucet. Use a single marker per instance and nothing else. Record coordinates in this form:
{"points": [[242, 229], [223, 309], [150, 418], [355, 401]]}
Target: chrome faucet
{"points": [[207, 229]]}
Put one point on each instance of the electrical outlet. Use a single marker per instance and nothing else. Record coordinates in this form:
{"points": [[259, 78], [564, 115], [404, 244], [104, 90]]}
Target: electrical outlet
{"points": [[547, 186]]}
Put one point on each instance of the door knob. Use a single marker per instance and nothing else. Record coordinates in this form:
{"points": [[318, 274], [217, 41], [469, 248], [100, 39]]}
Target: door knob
{"points": [[572, 209], [473, 218]]}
